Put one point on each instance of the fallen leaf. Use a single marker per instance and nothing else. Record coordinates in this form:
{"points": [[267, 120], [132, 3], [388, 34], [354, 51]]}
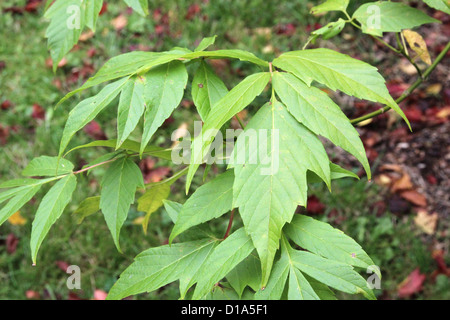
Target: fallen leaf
{"points": [[426, 222], [139, 221], [38, 112], [120, 22], [62, 265], [94, 130], [193, 10], [414, 197], [404, 183], [17, 220], [100, 295], [31, 294], [86, 35], [438, 256], [444, 113], [4, 135], [11, 243], [411, 285], [391, 167], [6, 105], [383, 180], [314, 206], [434, 89]]}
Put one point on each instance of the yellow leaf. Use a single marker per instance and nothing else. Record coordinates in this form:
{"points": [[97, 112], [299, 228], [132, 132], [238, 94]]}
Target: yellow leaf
{"points": [[17, 220], [426, 222], [418, 45], [138, 220]]}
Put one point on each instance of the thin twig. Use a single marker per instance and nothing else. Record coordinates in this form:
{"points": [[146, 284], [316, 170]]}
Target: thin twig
{"points": [[408, 91], [230, 224]]}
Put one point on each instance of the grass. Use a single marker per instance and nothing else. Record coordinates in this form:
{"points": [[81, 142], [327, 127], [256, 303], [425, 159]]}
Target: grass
{"points": [[392, 241]]}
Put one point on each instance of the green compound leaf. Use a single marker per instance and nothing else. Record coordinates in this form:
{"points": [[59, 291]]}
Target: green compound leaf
{"points": [[152, 200], [299, 288], [315, 110], [47, 166], [128, 145], [329, 31], [119, 185], [164, 90], [322, 239], [67, 21], [229, 54], [268, 192], [88, 207], [205, 43], [159, 266], [222, 111], [18, 199], [68, 18], [337, 275], [87, 110], [207, 89], [379, 17], [442, 5], [140, 6], [330, 5], [336, 173], [246, 274], [208, 202], [338, 72], [226, 256], [50, 209], [131, 108], [93, 8]]}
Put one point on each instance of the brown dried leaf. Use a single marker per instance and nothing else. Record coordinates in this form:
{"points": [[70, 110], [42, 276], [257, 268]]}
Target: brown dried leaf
{"points": [[414, 197]]}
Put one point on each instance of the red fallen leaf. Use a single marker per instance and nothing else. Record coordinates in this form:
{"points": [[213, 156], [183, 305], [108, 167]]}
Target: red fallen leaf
{"points": [[38, 112], [396, 89], [159, 29], [314, 206], [193, 10], [2, 65], [414, 197], [414, 114], [94, 130], [312, 27], [100, 294], [371, 153], [438, 256], [11, 243], [30, 294], [157, 174], [157, 14], [4, 135], [286, 29], [6, 105], [49, 62], [32, 5], [62, 265], [411, 285], [431, 179], [74, 296], [91, 52]]}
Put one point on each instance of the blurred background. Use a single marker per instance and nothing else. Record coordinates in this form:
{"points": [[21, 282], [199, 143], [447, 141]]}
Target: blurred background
{"points": [[400, 217]]}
